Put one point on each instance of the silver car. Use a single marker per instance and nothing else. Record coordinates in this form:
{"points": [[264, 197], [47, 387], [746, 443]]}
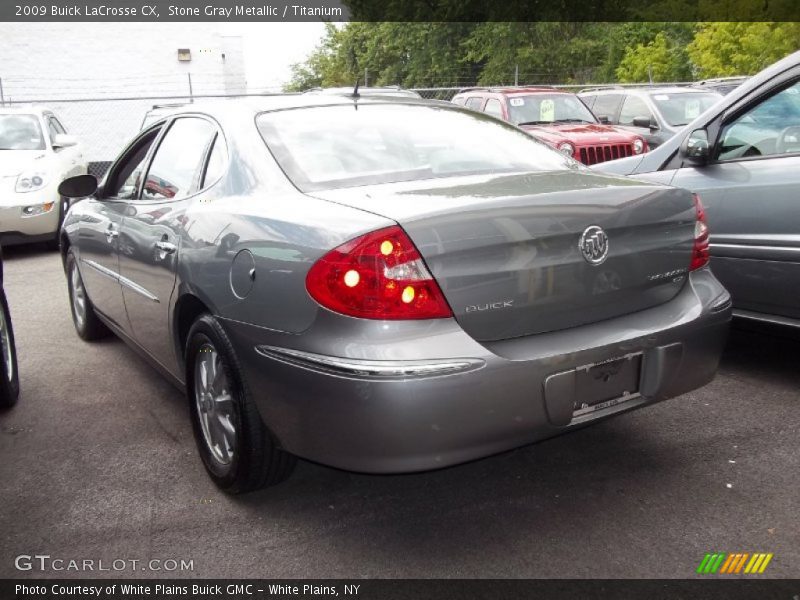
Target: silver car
{"points": [[743, 157], [387, 284]]}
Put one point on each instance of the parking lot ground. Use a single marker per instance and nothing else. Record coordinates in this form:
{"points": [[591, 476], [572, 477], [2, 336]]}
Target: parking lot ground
{"points": [[97, 461]]}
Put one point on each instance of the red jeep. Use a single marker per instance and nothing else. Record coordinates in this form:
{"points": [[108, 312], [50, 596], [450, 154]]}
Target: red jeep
{"points": [[557, 118]]}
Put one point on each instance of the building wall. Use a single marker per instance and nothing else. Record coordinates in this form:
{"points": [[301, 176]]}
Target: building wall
{"points": [[49, 63]]}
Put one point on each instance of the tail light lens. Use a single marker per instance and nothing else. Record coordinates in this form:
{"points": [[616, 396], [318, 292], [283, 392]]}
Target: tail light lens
{"points": [[379, 275], [700, 252]]}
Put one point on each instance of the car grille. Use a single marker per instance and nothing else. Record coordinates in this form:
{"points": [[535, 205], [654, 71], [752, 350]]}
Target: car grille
{"points": [[591, 155]]}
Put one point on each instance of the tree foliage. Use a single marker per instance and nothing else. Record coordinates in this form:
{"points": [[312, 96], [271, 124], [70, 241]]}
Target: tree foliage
{"points": [[731, 48], [442, 54]]}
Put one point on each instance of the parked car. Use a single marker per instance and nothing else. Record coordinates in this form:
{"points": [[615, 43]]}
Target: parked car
{"points": [[721, 85], [743, 157], [9, 374], [557, 118], [389, 90], [654, 113], [360, 283], [37, 155]]}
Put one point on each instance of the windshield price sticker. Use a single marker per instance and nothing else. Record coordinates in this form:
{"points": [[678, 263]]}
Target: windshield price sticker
{"points": [[517, 102]]}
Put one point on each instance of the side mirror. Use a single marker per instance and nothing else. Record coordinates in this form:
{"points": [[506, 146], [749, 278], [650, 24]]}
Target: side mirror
{"points": [[62, 140], [695, 148], [604, 120], [79, 186], [645, 122]]}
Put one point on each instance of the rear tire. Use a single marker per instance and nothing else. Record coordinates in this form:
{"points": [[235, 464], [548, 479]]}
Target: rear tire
{"points": [[238, 452], [87, 323], [9, 374]]}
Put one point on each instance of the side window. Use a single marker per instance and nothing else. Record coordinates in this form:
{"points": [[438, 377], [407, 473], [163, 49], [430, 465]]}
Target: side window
{"points": [[125, 176], [474, 103], [178, 159], [606, 106], [51, 129], [57, 125], [633, 107], [217, 161], [494, 108], [771, 127], [460, 101]]}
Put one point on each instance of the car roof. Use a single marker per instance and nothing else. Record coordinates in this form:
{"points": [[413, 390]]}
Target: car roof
{"points": [[259, 104], [674, 89], [24, 109], [366, 91], [509, 91]]}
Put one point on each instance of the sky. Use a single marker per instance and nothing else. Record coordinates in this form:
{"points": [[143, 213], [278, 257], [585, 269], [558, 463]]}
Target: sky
{"points": [[270, 49]]}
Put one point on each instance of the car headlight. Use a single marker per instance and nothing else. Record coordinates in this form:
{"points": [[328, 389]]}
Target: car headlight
{"points": [[566, 148], [31, 181], [638, 146]]}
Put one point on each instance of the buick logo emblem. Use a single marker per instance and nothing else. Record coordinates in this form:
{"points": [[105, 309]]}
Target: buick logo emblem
{"points": [[594, 245]]}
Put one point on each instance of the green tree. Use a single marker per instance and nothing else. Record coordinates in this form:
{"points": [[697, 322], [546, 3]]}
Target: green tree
{"points": [[660, 59], [731, 48]]}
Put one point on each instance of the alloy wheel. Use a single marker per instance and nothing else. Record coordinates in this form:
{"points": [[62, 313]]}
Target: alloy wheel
{"points": [[214, 404]]}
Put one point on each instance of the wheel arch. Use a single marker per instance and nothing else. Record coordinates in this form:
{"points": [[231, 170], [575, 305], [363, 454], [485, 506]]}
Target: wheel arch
{"points": [[188, 307]]}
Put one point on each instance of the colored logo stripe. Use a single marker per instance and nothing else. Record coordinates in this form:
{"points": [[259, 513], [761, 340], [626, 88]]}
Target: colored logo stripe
{"points": [[734, 563]]}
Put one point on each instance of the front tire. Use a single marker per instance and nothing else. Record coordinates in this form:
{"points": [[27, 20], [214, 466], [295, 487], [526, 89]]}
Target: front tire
{"points": [[238, 451], [87, 323], [9, 375]]}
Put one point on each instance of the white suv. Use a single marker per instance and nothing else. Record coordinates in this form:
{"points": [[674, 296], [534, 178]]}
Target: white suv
{"points": [[36, 155]]}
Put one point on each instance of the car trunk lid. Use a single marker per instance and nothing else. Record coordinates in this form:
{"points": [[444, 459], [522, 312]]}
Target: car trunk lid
{"points": [[522, 254]]}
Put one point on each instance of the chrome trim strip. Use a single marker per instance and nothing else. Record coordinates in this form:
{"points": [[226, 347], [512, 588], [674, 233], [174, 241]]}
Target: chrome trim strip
{"points": [[372, 369], [101, 269], [131, 285]]}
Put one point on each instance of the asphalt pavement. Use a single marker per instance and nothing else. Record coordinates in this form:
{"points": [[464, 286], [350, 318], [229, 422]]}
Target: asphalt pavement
{"points": [[97, 462]]}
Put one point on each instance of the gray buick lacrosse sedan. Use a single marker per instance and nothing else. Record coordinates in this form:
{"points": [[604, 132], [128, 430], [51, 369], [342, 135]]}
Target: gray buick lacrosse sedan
{"points": [[386, 284]]}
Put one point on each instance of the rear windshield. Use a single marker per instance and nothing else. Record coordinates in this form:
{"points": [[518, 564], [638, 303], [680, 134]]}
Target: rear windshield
{"points": [[20, 132], [680, 109], [331, 147]]}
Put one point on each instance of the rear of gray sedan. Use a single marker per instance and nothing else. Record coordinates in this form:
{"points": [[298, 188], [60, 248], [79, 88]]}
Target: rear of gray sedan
{"points": [[389, 285], [510, 295]]}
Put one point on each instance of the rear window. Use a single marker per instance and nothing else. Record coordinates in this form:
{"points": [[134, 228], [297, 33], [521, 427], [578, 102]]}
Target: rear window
{"points": [[346, 146]]}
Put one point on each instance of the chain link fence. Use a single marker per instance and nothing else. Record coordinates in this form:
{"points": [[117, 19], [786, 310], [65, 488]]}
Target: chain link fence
{"points": [[106, 122]]}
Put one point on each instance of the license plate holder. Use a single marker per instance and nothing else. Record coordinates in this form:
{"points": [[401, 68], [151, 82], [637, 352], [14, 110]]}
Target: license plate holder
{"points": [[606, 384]]}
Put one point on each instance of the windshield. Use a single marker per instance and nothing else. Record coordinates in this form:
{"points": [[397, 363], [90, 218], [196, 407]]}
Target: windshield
{"points": [[540, 109], [344, 146], [20, 132], [682, 108]]}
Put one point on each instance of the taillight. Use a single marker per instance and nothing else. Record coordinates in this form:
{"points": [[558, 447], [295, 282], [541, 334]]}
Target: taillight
{"points": [[700, 251], [379, 275]]}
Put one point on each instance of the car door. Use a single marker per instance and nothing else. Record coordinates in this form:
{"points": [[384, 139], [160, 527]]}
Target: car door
{"points": [[634, 107], [495, 108], [606, 107], [98, 229], [474, 103], [150, 234], [751, 190]]}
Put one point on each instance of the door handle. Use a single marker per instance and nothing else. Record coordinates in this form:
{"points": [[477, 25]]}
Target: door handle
{"points": [[166, 247], [111, 233]]}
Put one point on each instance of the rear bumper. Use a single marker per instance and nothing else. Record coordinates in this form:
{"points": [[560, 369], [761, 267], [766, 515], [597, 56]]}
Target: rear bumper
{"points": [[383, 397]]}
